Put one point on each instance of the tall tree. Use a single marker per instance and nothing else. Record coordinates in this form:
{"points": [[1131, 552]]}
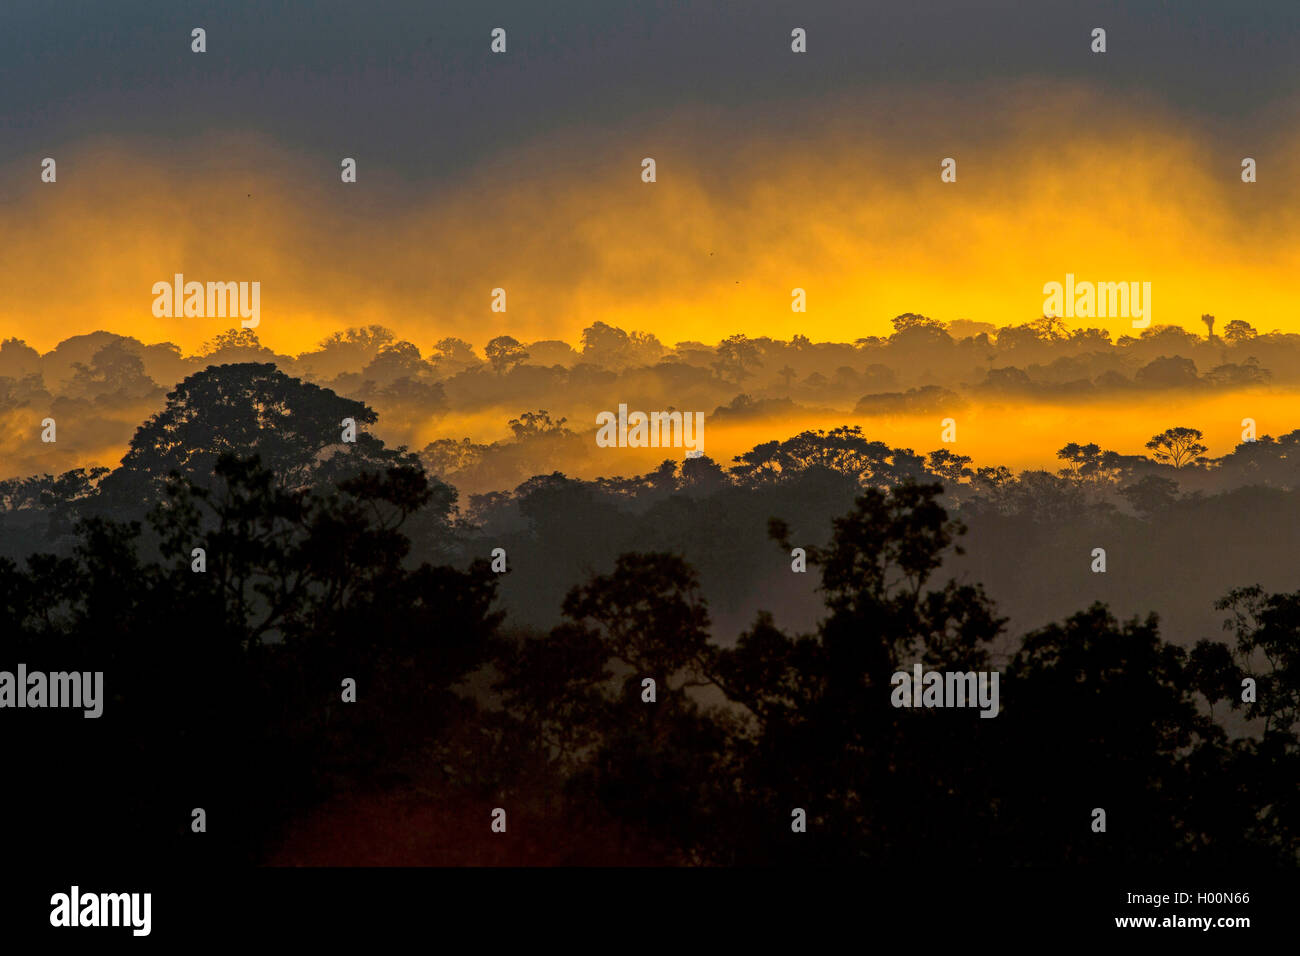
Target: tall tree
{"points": [[504, 353], [736, 355], [295, 427], [1177, 446]]}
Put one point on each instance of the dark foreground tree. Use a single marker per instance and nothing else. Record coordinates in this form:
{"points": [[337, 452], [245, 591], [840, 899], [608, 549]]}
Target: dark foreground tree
{"points": [[224, 662], [1098, 721], [296, 428]]}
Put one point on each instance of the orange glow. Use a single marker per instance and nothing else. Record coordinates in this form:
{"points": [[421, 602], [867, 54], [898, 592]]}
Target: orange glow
{"points": [[1049, 182], [713, 248]]}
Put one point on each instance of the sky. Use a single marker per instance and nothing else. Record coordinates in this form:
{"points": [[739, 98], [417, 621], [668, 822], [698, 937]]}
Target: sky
{"points": [[521, 170]]}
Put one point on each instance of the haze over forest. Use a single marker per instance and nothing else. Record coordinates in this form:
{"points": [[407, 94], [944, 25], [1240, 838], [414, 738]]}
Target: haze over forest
{"points": [[1013, 391], [1051, 458]]}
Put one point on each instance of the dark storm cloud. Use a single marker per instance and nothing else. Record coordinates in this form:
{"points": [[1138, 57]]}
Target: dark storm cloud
{"points": [[413, 86]]}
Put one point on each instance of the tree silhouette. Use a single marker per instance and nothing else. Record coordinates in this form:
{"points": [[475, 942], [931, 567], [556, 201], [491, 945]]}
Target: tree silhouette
{"points": [[453, 354], [953, 468], [235, 345], [244, 660], [1177, 446], [295, 427], [605, 345], [1050, 328], [1267, 629], [1238, 331], [736, 355], [115, 371], [505, 352], [1150, 494], [536, 424], [648, 614], [827, 735], [368, 340], [574, 690], [844, 449], [1167, 372], [1096, 713], [1090, 465], [1108, 712], [912, 320]]}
